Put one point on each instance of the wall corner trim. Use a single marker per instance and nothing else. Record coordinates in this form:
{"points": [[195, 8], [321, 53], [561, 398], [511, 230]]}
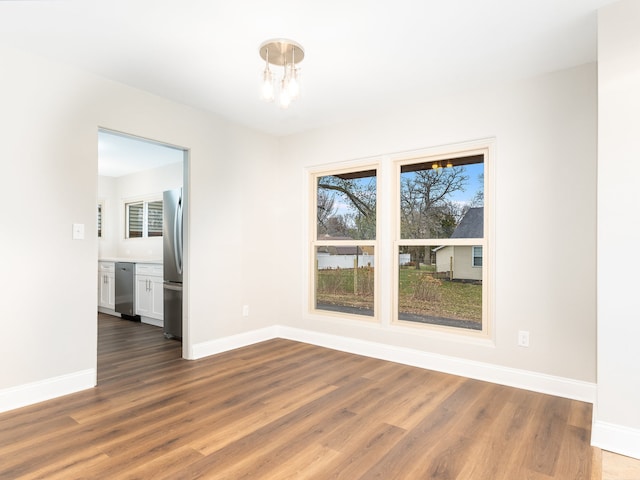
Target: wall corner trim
{"points": [[34, 392], [615, 438]]}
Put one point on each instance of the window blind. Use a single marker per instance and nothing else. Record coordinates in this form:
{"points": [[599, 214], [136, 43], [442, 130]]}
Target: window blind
{"points": [[99, 220], [135, 219], [154, 222]]}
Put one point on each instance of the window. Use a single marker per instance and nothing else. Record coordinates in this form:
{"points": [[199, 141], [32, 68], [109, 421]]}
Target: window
{"points": [[344, 242], [477, 257], [154, 216], [143, 219], [421, 257], [135, 219], [440, 241], [100, 208]]}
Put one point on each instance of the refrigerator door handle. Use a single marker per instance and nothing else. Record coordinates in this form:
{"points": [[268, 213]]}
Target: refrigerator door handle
{"points": [[177, 237], [174, 287]]}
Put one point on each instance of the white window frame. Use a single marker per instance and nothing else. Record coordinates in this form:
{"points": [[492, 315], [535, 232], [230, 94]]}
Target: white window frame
{"points": [[474, 256], [388, 241], [145, 215], [314, 243], [441, 154]]}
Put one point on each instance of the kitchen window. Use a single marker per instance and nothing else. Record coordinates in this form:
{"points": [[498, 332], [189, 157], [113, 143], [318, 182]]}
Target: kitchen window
{"points": [[100, 216], [143, 219]]}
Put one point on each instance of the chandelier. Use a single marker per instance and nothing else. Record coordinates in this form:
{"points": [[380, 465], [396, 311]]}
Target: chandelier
{"points": [[287, 54]]}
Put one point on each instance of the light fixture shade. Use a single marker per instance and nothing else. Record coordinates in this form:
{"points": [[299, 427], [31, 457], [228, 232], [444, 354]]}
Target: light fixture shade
{"points": [[294, 84], [285, 96], [286, 54], [268, 89]]}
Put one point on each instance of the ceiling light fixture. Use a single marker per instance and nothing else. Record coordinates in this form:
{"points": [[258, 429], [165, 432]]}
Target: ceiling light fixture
{"points": [[287, 54]]}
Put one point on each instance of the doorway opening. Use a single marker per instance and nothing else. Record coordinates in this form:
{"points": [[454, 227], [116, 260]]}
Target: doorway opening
{"points": [[135, 174]]}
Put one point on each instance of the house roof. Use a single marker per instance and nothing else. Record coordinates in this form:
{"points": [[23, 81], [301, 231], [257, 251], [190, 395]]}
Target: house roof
{"points": [[471, 225]]}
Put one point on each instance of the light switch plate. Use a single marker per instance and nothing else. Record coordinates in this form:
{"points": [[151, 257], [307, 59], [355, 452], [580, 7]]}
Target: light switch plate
{"points": [[523, 338], [78, 231]]}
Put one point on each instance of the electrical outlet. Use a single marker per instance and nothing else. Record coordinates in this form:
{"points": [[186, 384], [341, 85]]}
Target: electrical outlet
{"points": [[523, 338], [245, 310]]}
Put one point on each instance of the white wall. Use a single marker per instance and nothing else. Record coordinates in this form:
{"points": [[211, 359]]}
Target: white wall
{"points": [[49, 182], [617, 414], [50, 118], [248, 192], [545, 134], [115, 192]]}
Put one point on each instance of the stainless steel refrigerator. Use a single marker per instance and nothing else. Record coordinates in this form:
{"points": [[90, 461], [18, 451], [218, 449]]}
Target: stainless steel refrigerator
{"points": [[172, 208]]}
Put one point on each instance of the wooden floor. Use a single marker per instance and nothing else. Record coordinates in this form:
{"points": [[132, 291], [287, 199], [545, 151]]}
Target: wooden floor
{"points": [[617, 467], [288, 410]]}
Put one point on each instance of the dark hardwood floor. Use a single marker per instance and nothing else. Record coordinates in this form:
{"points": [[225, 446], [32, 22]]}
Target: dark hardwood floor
{"points": [[288, 410]]}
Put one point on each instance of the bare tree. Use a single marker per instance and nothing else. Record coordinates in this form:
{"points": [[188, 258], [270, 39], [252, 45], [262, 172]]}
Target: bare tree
{"points": [[325, 205], [426, 208], [358, 193], [478, 198]]}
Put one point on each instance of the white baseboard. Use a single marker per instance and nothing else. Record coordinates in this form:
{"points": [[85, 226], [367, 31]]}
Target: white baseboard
{"points": [[537, 382], [15, 397], [616, 438], [225, 344], [512, 377], [22, 395], [152, 321]]}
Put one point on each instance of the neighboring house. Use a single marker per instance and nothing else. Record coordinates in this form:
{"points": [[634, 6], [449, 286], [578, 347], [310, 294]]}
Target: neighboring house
{"points": [[343, 256], [463, 262]]}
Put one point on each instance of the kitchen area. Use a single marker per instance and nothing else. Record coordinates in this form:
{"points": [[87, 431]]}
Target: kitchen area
{"points": [[140, 212]]}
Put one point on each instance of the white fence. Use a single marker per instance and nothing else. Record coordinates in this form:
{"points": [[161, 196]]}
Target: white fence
{"points": [[346, 261], [326, 262]]}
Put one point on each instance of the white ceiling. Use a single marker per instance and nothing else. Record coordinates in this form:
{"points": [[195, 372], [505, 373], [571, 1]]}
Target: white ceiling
{"points": [[362, 56], [120, 155]]}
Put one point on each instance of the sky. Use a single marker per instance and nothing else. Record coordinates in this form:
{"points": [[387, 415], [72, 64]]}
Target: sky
{"points": [[473, 171]]}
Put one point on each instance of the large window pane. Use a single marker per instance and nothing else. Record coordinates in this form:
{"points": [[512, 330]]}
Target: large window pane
{"points": [[346, 206], [435, 195], [439, 284], [345, 279], [440, 277]]}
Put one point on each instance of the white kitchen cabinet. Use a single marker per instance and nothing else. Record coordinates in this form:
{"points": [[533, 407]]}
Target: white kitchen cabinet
{"points": [[106, 286], [149, 295]]}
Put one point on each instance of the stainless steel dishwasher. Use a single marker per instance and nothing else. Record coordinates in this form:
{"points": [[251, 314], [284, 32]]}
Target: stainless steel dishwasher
{"points": [[125, 290]]}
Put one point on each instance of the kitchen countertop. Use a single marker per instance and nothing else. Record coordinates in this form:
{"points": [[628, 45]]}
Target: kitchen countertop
{"points": [[132, 260]]}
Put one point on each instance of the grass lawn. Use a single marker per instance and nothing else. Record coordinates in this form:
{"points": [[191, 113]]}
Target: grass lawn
{"points": [[346, 286], [420, 293]]}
